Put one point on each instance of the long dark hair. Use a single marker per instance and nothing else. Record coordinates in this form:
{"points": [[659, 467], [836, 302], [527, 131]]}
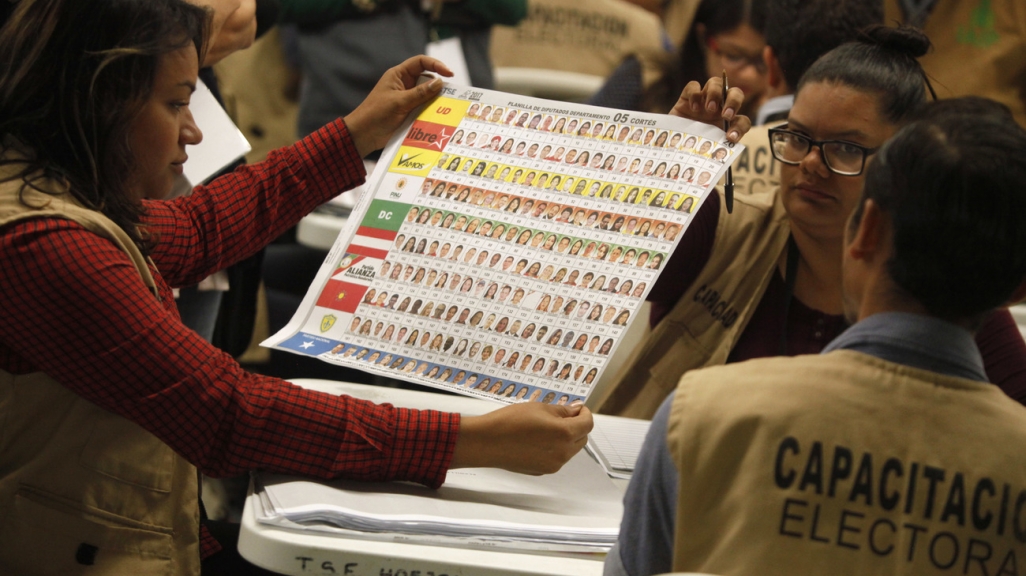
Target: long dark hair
{"points": [[73, 76]]}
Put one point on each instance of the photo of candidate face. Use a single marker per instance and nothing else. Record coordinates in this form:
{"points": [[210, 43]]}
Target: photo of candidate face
{"points": [[687, 204], [502, 325], [518, 295], [504, 292], [607, 316]]}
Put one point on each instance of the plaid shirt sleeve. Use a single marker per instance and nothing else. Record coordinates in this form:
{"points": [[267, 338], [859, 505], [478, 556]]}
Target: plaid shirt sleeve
{"points": [[75, 308], [239, 213]]}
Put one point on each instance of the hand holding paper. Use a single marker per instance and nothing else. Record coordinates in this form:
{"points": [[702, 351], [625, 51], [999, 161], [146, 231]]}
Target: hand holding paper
{"points": [[234, 27], [391, 101], [707, 104], [528, 438]]}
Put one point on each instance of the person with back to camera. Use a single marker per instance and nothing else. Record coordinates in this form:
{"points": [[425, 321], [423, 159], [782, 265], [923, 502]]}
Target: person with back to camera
{"points": [[94, 112], [889, 452], [775, 288]]}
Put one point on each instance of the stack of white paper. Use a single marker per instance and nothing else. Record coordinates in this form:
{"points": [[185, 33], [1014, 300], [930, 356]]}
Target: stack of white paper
{"points": [[575, 510], [616, 443]]}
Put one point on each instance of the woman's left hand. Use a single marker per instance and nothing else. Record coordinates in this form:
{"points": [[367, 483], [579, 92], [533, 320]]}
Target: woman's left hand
{"points": [[392, 99], [707, 104]]}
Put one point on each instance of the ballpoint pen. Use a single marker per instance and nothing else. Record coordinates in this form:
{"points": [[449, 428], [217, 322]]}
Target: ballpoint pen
{"points": [[728, 188]]}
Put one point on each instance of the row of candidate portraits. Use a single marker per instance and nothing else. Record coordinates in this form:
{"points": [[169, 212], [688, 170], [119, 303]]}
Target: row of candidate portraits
{"points": [[518, 297], [620, 162], [528, 238], [465, 378], [565, 213], [491, 357], [583, 187], [564, 276], [371, 326], [684, 170], [584, 128], [554, 177]]}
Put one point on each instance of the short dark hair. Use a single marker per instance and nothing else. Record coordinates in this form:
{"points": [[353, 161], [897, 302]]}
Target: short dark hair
{"points": [[800, 31], [952, 185], [73, 75], [883, 62]]}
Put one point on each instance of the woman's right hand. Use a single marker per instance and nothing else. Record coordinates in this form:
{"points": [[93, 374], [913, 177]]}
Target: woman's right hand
{"points": [[707, 104], [395, 95], [529, 438]]}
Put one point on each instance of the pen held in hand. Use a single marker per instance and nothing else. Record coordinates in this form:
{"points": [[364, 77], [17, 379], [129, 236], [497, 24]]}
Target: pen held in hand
{"points": [[728, 188]]}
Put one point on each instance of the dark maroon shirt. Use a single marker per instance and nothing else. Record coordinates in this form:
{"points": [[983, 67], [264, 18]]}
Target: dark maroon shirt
{"points": [[808, 330]]}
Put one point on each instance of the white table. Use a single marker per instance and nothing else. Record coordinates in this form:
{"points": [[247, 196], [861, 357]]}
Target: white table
{"points": [[320, 228], [303, 553]]}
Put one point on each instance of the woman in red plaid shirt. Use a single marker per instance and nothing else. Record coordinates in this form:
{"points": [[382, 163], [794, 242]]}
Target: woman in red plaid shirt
{"points": [[108, 404]]}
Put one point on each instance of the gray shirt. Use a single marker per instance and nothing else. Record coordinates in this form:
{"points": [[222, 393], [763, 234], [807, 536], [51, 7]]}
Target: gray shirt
{"points": [[645, 545]]}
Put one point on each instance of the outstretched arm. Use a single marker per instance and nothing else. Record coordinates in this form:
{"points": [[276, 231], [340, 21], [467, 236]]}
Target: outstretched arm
{"points": [[528, 438]]}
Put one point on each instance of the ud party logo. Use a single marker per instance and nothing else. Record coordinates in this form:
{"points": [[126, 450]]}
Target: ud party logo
{"points": [[329, 320]]}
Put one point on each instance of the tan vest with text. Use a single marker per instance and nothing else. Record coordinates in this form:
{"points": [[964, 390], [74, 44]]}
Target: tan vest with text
{"points": [[82, 490], [585, 37], [709, 318], [846, 464], [979, 47]]}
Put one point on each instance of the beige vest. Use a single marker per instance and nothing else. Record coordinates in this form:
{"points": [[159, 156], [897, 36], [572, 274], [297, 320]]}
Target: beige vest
{"points": [[586, 37], [260, 91], [979, 47], [756, 170], [83, 491], [709, 318], [846, 464], [678, 15]]}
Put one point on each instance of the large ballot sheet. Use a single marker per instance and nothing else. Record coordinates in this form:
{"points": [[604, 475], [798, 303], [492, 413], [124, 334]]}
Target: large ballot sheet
{"points": [[505, 243]]}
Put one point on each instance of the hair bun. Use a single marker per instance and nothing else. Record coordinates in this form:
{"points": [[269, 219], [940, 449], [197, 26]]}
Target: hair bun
{"points": [[903, 39]]}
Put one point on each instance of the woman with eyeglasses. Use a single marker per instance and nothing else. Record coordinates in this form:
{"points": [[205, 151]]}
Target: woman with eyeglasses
{"points": [[765, 280]]}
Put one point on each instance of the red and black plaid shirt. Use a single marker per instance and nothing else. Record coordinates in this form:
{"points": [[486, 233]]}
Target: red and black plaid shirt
{"points": [[75, 308]]}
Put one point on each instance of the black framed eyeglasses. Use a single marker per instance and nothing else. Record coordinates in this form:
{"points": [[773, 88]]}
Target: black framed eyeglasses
{"points": [[840, 157]]}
